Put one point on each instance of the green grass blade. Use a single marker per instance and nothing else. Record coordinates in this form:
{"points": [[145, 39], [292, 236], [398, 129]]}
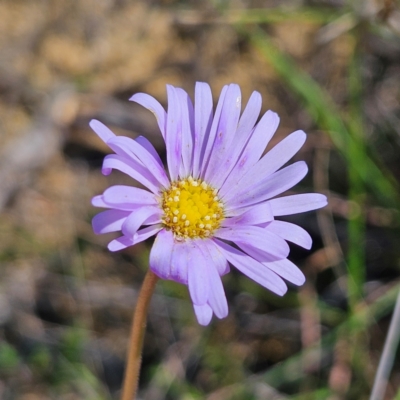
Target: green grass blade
{"points": [[356, 153]]}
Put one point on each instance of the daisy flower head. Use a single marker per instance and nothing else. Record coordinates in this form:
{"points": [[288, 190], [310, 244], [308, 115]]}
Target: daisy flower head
{"points": [[216, 204]]}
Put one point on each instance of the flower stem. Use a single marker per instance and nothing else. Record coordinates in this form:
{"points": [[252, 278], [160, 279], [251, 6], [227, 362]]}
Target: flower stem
{"points": [[138, 329], [388, 355]]}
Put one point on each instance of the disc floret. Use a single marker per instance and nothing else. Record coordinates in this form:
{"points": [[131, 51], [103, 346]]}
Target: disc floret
{"points": [[192, 209]]}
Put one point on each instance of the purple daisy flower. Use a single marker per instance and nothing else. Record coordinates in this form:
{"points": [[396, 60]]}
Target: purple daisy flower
{"points": [[217, 206]]}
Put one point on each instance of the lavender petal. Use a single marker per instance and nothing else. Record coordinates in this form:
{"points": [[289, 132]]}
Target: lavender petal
{"points": [[275, 158], [186, 108], [132, 168], [203, 314], [160, 254], [150, 148], [287, 270], [269, 187], [154, 106], [217, 298], [127, 197], [133, 150], [124, 241], [203, 115], [173, 138], [179, 263], [254, 215], [243, 132], [253, 269], [209, 140], [256, 145], [215, 255], [144, 214], [291, 232], [298, 203], [101, 130], [109, 221], [273, 246], [197, 275], [221, 155], [97, 201]]}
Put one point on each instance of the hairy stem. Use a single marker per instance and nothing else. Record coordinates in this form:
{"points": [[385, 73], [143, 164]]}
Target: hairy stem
{"points": [[138, 329]]}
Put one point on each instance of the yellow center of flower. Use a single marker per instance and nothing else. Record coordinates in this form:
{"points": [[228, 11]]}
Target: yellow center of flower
{"points": [[192, 209]]}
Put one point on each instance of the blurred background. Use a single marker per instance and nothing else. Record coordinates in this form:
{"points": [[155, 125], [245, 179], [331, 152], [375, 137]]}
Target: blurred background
{"points": [[329, 67]]}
